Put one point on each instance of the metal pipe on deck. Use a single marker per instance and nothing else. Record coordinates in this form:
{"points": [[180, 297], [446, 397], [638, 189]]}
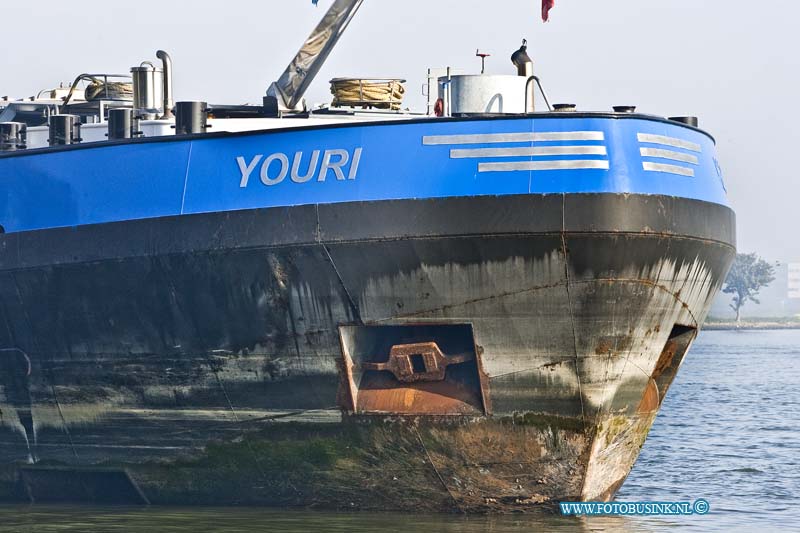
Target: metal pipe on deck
{"points": [[166, 62]]}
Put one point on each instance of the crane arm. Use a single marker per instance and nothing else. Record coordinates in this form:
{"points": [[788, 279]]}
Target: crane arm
{"points": [[288, 91]]}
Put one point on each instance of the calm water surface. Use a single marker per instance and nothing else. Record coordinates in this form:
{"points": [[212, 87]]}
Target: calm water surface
{"points": [[729, 432]]}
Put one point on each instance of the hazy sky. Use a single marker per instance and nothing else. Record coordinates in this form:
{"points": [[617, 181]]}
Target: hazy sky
{"points": [[734, 63]]}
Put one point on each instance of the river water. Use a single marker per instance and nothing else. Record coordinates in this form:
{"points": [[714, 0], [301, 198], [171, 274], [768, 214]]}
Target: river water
{"points": [[729, 432]]}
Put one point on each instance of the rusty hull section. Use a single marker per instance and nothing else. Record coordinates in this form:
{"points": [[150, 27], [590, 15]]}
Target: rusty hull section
{"points": [[403, 370], [465, 354]]}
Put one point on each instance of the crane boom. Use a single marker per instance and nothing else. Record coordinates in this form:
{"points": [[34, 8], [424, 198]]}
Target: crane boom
{"points": [[288, 91]]}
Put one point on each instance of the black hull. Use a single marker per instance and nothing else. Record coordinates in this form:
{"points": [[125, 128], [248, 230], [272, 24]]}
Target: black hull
{"points": [[203, 355]]}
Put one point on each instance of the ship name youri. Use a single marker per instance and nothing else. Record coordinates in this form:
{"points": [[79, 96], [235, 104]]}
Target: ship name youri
{"points": [[275, 168]]}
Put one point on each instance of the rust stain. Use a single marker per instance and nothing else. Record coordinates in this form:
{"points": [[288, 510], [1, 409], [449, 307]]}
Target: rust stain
{"points": [[424, 361], [675, 349], [415, 379], [380, 393], [665, 360], [613, 343], [651, 399], [604, 346]]}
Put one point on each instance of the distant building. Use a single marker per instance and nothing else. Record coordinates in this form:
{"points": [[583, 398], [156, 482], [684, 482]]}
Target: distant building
{"points": [[793, 291]]}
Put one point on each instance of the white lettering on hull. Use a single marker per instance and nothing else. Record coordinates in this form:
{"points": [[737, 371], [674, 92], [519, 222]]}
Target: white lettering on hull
{"points": [[283, 163], [312, 167], [247, 168], [274, 168]]}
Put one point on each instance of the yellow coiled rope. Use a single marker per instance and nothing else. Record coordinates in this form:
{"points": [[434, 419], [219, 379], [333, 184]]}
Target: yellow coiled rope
{"points": [[113, 90], [368, 93]]}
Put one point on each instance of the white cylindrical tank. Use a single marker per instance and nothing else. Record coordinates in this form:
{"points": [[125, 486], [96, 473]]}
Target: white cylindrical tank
{"points": [[484, 94]]}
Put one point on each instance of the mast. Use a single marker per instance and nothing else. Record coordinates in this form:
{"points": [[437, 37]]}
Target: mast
{"points": [[286, 94]]}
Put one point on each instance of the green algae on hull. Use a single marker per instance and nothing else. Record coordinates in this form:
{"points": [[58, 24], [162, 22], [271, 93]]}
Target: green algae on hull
{"points": [[378, 464]]}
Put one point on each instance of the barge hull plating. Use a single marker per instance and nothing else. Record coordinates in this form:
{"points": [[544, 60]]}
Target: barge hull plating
{"points": [[203, 355]]}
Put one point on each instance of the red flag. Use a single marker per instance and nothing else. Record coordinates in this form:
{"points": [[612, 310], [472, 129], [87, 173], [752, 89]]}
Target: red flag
{"points": [[547, 5]]}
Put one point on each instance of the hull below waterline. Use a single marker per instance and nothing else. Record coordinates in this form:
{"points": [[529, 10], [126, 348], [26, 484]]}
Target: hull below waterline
{"points": [[230, 358]]}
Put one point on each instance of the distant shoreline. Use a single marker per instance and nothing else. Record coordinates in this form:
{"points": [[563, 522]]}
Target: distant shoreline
{"points": [[746, 325]]}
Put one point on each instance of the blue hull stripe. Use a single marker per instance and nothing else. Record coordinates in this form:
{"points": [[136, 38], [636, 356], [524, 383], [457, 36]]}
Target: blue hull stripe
{"points": [[370, 162]]}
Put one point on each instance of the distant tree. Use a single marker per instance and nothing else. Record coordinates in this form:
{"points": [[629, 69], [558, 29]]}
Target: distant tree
{"points": [[749, 274]]}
